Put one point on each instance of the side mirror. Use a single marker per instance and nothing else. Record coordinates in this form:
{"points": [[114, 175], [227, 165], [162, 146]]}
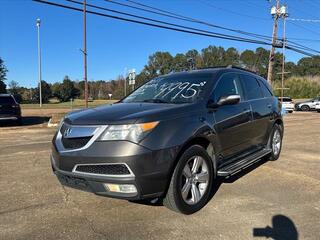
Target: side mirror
{"points": [[229, 100], [226, 100]]}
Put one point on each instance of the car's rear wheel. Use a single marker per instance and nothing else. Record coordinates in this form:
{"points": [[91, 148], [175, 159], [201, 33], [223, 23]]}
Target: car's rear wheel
{"points": [[305, 108], [275, 142], [191, 182]]}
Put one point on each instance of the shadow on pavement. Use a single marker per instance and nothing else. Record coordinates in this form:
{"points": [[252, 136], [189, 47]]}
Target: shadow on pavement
{"points": [[282, 228]]}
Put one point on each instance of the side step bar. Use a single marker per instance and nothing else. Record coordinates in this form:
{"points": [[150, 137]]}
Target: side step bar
{"points": [[237, 166]]}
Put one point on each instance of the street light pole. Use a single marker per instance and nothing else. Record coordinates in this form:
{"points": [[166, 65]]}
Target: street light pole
{"points": [[39, 62]]}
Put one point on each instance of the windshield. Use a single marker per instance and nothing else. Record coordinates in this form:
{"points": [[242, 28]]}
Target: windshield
{"points": [[172, 89]]}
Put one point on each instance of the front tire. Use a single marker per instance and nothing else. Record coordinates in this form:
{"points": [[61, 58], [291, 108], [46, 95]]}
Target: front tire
{"points": [[305, 108], [191, 182]]}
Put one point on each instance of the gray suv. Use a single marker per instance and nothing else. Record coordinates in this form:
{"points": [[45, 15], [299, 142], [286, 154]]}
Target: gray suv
{"points": [[171, 138], [308, 105]]}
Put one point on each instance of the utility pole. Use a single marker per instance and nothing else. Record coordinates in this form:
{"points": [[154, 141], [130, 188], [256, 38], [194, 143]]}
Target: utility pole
{"points": [[39, 62], [275, 10], [125, 81], [284, 15], [85, 52]]}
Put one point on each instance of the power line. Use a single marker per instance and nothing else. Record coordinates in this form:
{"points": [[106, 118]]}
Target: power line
{"points": [[233, 12], [189, 19], [166, 13], [233, 38], [307, 29], [305, 20], [162, 22]]}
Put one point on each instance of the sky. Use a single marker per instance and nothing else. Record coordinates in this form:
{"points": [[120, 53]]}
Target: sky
{"points": [[114, 46]]}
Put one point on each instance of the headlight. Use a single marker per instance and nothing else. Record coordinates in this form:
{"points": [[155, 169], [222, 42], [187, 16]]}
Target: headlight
{"points": [[130, 132]]}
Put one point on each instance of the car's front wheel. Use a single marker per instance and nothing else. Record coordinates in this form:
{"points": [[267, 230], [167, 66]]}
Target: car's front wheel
{"points": [[305, 108], [191, 181]]}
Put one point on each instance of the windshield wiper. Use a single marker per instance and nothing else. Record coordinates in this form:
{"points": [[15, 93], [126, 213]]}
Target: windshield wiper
{"points": [[155, 100]]}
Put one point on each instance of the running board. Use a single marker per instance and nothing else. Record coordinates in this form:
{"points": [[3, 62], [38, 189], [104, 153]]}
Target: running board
{"points": [[237, 166]]}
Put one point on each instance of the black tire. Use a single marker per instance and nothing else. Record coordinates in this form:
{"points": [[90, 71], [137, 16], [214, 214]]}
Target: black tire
{"points": [[290, 111], [274, 155], [305, 108], [174, 199]]}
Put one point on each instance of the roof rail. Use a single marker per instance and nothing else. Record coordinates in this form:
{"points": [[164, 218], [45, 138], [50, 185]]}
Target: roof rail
{"points": [[244, 69], [230, 66]]}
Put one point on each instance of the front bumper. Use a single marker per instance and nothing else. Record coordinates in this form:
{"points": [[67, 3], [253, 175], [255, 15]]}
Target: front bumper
{"points": [[151, 170]]}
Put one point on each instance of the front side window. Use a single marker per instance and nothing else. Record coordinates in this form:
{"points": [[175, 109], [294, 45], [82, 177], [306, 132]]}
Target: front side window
{"points": [[229, 84], [172, 89], [251, 87]]}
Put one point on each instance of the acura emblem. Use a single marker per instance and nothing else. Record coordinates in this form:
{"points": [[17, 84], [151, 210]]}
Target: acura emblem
{"points": [[67, 132]]}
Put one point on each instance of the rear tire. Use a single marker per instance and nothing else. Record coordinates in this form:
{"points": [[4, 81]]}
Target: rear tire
{"points": [[275, 142], [305, 108], [191, 181]]}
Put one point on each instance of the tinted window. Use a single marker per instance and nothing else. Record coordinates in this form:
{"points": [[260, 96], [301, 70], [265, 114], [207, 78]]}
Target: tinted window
{"points": [[229, 84], [266, 92], [286, 99], [172, 89], [251, 87], [7, 101]]}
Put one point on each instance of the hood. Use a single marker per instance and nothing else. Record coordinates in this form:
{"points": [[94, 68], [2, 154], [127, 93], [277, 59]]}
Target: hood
{"points": [[127, 113]]}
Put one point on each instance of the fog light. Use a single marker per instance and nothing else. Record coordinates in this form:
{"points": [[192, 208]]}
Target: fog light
{"points": [[121, 188]]}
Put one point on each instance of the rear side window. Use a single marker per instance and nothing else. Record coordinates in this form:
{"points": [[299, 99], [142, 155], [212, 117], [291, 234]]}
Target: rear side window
{"points": [[7, 100], [229, 84], [266, 92], [251, 87], [286, 100]]}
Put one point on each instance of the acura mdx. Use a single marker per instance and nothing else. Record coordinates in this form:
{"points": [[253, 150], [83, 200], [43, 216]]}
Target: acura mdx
{"points": [[171, 138]]}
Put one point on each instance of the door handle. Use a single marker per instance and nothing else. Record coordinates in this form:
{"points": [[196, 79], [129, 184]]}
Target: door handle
{"points": [[269, 105]]}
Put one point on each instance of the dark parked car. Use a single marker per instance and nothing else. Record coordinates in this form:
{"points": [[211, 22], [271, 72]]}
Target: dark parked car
{"points": [[171, 138], [9, 109]]}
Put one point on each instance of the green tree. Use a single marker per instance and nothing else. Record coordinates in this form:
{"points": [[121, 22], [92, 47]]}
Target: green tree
{"points": [[3, 76], [66, 90], [45, 91]]}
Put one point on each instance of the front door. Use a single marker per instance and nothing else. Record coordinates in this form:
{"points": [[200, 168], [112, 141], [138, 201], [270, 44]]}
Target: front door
{"points": [[232, 122]]}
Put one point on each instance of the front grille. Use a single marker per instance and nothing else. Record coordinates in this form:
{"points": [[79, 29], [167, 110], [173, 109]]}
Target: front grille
{"points": [[106, 169], [74, 143]]}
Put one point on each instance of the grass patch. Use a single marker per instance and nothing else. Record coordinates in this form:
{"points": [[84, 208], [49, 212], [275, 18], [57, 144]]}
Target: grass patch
{"points": [[76, 104]]}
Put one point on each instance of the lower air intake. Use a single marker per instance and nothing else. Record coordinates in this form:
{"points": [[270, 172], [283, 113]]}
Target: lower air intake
{"points": [[104, 169]]}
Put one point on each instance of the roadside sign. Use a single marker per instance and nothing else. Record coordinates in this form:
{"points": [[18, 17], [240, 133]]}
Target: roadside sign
{"points": [[132, 76]]}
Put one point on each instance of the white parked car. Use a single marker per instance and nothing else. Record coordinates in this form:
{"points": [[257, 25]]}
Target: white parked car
{"points": [[287, 104], [318, 107]]}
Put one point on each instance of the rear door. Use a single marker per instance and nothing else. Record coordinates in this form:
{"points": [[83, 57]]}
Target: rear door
{"points": [[232, 122], [261, 107], [7, 106]]}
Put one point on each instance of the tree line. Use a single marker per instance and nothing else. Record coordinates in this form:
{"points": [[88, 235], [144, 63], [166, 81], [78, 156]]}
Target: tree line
{"points": [[160, 63]]}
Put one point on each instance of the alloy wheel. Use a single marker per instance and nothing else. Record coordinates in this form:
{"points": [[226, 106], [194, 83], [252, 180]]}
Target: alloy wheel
{"points": [[194, 180], [276, 142]]}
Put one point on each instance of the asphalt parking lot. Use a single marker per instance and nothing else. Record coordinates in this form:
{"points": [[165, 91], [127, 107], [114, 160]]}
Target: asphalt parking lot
{"points": [[279, 200]]}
